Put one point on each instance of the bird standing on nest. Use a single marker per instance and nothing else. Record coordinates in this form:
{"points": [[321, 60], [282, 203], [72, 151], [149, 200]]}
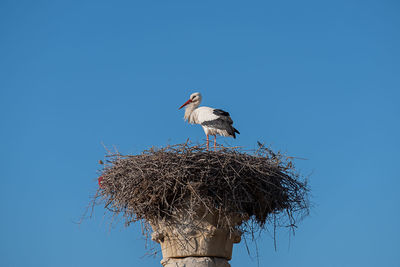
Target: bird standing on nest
{"points": [[214, 121]]}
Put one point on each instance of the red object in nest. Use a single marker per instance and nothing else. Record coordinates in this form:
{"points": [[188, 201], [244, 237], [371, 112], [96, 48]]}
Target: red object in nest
{"points": [[100, 180]]}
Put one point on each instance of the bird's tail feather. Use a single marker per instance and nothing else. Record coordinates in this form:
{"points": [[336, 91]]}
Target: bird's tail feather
{"points": [[234, 131]]}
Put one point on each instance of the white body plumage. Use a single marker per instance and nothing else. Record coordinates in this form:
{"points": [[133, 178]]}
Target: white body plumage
{"points": [[203, 114]]}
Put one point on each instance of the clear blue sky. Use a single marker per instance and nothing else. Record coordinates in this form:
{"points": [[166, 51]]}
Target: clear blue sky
{"points": [[318, 79]]}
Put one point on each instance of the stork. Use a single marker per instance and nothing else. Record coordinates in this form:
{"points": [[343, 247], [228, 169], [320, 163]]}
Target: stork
{"points": [[214, 121]]}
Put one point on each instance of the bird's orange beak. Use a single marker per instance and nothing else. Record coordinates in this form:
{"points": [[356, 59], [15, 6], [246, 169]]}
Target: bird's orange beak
{"points": [[187, 102]]}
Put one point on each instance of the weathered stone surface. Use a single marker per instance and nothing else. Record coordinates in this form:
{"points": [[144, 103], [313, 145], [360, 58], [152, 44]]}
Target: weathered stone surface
{"points": [[211, 243], [195, 262], [195, 238], [195, 241]]}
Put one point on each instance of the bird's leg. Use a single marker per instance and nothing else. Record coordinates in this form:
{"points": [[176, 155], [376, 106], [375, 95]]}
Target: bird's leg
{"points": [[208, 142], [215, 142]]}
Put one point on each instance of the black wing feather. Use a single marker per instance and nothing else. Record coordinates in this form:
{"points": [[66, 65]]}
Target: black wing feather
{"points": [[220, 112], [224, 122]]}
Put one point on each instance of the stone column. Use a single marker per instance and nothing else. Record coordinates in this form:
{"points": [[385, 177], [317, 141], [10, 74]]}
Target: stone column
{"points": [[195, 262], [195, 242]]}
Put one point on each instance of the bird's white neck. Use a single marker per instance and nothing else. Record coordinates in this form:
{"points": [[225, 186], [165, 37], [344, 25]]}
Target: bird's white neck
{"points": [[189, 112]]}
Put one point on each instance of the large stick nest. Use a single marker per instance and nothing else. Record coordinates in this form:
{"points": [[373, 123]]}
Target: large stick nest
{"points": [[159, 183]]}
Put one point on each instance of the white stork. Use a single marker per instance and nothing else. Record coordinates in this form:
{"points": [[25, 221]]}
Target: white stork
{"points": [[214, 121]]}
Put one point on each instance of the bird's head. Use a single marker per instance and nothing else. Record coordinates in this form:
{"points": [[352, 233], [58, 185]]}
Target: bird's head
{"points": [[194, 99]]}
